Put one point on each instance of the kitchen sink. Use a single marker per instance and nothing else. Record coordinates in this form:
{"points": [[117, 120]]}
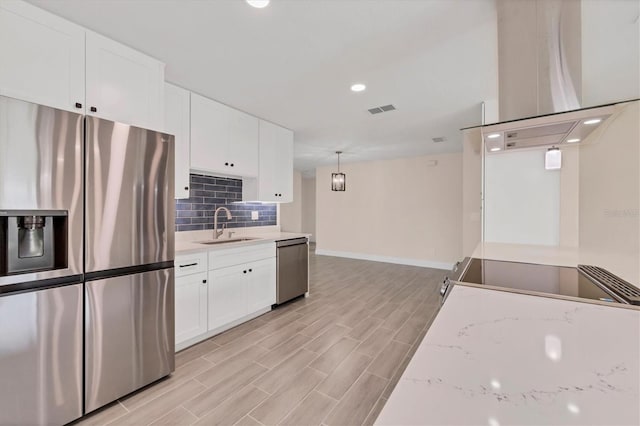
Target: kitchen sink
{"points": [[226, 240]]}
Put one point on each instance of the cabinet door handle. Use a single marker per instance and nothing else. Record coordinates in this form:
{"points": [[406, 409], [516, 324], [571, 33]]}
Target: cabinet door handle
{"points": [[188, 264], [244, 272], [226, 164], [204, 281], [93, 109], [78, 105], [186, 188], [231, 164], [250, 270]]}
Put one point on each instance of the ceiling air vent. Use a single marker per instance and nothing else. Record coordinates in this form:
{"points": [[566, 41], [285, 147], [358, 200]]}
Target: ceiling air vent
{"points": [[384, 108], [439, 139]]}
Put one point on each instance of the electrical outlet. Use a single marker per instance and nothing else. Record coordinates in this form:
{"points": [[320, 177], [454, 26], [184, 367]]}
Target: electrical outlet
{"points": [[254, 215]]}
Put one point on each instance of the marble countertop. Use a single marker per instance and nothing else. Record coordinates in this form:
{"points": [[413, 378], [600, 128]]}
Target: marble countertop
{"points": [[498, 358], [186, 246]]}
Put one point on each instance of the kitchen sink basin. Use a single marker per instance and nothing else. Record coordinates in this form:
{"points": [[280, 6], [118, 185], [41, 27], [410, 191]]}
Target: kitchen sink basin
{"points": [[226, 240]]}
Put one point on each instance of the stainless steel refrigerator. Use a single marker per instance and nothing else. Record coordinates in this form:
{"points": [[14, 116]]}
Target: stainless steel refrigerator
{"points": [[41, 264], [129, 252], [86, 293]]}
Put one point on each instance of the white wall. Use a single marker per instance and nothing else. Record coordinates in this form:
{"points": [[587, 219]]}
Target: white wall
{"points": [[610, 51], [569, 197], [471, 190], [402, 211], [291, 213], [522, 199], [309, 207], [610, 195]]}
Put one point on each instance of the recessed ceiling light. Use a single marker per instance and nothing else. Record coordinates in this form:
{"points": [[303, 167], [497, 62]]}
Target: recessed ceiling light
{"points": [[259, 4], [573, 140], [593, 121], [493, 136], [358, 87], [494, 149]]}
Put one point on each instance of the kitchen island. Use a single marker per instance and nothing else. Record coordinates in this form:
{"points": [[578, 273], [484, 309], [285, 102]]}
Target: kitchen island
{"points": [[499, 358]]}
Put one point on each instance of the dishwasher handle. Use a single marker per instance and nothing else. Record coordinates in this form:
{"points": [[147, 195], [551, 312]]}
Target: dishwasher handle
{"points": [[291, 242]]}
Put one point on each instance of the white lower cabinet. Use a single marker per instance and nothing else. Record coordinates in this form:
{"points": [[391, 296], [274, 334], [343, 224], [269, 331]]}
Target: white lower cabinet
{"points": [[191, 290], [227, 295], [261, 284], [240, 290], [219, 289], [191, 306]]}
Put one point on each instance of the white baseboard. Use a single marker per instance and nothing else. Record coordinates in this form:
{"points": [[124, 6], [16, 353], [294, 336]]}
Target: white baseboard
{"points": [[387, 259]]}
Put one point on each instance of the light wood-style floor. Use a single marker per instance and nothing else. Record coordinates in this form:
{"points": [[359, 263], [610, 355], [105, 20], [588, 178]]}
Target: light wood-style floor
{"points": [[332, 358]]}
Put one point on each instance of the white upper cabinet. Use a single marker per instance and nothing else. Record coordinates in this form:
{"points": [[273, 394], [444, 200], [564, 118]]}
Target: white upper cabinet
{"points": [[275, 179], [177, 121], [42, 57], [223, 140], [51, 61], [123, 84]]}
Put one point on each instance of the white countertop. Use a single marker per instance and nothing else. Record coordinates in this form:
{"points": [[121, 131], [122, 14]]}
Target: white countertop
{"points": [[190, 243], [499, 358]]}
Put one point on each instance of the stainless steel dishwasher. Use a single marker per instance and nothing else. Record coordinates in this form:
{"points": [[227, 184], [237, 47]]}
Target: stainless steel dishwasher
{"points": [[292, 269]]}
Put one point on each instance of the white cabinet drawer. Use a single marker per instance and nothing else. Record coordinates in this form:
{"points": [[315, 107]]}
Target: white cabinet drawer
{"points": [[191, 263], [239, 255]]}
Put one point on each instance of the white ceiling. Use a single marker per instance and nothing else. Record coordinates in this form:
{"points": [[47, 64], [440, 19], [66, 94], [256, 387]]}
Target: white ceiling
{"points": [[293, 63]]}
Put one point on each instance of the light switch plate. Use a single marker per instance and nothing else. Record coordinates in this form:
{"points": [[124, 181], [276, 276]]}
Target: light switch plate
{"points": [[254, 215]]}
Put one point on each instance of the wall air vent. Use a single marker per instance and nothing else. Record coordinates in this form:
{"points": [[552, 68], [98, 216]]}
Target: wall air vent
{"points": [[384, 108]]}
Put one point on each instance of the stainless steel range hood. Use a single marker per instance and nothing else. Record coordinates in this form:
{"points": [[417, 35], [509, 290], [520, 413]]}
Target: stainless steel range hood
{"points": [[548, 130]]}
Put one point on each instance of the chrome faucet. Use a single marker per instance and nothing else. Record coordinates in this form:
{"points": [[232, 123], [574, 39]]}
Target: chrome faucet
{"points": [[217, 233]]}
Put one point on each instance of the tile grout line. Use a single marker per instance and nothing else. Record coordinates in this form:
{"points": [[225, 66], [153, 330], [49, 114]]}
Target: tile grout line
{"points": [[231, 395], [374, 406], [364, 370], [297, 405], [253, 418], [189, 411]]}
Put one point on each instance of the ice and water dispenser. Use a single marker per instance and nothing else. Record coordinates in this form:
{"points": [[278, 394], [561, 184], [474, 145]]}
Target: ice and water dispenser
{"points": [[32, 241]]}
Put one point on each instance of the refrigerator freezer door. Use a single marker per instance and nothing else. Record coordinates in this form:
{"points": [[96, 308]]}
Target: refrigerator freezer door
{"points": [[129, 334], [41, 356], [41, 169], [129, 196]]}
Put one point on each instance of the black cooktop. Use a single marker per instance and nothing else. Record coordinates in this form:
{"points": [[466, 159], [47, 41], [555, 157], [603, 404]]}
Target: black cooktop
{"points": [[549, 279]]}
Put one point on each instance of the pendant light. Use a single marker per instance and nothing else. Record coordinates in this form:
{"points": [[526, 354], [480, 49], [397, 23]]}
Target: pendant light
{"points": [[338, 180]]}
